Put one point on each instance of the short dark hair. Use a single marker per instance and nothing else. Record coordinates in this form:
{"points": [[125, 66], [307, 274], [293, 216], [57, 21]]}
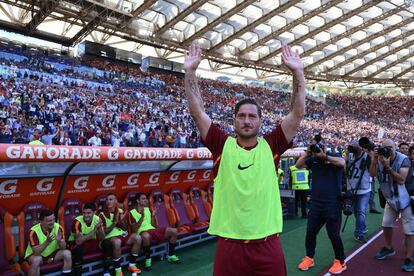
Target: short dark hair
{"points": [[138, 196], [89, 205], [44, 213], [403, 144], [247, 101], [410, 149]]}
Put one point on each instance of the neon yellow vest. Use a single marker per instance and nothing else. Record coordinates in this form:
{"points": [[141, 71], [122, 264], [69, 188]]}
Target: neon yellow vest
{"points": [[246, 193], [300, 178], [52, 247], [36, 143], [85, 229], [116, 231], [146, 222], [279, 175], [279, 172]]}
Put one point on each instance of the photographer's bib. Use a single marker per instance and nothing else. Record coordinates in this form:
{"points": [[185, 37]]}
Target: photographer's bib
{"points": [[395, 194], [357, 167]]}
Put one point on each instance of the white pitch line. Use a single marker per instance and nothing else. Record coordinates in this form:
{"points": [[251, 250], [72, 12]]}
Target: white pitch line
{"points": [[360, 249]]}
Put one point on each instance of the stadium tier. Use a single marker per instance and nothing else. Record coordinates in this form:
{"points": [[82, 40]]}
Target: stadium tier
{"points": [[101, 102]]}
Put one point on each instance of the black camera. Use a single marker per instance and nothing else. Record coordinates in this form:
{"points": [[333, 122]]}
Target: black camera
{"points": [[317, 138], [347, 199], [365, 143], [316, 148], [384, 151]]}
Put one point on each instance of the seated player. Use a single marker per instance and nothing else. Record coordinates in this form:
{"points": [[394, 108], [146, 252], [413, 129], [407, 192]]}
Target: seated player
{"points": [[47, 245], [114, 226], [86, 233], [142, 222]]}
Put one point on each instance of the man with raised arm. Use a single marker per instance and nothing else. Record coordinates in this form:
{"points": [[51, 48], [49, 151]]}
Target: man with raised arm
{"points": [[247, 212]]}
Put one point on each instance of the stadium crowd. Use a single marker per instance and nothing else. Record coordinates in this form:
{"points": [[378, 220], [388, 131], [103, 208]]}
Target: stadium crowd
{"points": [[96, 102]]}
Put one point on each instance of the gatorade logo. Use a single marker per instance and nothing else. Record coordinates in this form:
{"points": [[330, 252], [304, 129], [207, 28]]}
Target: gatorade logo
{"points": [[133, 179], [191, 175], [113, 154], [154, 178], [81, 183], [206, 174], [174, 177], [108, 181], [45, 185], [8, 187]]}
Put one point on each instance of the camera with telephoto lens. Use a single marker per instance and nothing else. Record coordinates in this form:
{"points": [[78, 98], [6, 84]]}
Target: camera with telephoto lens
{"points": [[346, 199], [365, 143], [316, 148], [384, 151]]}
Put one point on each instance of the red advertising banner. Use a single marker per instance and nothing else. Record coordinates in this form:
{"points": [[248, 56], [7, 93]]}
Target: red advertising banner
{"points": [[15, 193], [87, 188], [185, 179], [32, 153]]}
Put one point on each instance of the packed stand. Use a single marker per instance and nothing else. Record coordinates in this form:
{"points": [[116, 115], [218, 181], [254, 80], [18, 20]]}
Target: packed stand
{"points": [[99, 102]]}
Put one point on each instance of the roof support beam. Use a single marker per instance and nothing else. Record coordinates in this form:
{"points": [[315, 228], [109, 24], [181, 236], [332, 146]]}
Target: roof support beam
{"points": [[381, 57], [324, 27], [351, 31], [392, 64], [362, 41], [187, 11], [289, 26], [254, 24], [397, 77], [222, 18], [86, 30], [138, 11], [372, 49], [46, 7]]}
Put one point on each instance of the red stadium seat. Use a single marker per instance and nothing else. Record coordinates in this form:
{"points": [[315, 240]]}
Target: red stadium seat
{"points": [[202, 207], [100, 203], [68, 210], [184, 213], [165, 215], [28, 217], [129, 201], [7, 245]]}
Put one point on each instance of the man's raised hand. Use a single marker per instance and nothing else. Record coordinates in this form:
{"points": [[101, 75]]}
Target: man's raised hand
{"points": [[291, 59], [192, 57]]}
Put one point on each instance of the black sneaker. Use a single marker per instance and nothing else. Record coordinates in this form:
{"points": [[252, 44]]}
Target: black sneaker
{"points": [[374, 211], [408, 265], [384, 253], [360, 239]]}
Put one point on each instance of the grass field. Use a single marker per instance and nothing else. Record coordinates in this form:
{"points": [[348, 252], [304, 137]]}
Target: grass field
{"points": [[198, 260]]}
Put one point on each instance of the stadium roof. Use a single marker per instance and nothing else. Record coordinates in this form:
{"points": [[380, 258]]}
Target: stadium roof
{"points": [[368, 41]]}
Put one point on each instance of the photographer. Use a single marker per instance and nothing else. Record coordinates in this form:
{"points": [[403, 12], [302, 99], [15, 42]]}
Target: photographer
{"points": [[359, 186], [403, 148], [325, 208], [391, 168]]}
